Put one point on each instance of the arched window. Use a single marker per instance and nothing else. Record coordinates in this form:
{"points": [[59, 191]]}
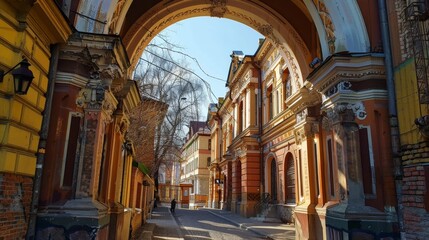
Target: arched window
{"points": [[290, 179], [273, 178], [240, 118]]}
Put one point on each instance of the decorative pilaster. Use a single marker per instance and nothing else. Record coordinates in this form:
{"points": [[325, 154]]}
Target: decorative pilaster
{"points": [[98, 105], [250, 107], [346, 143], [349, 188]]}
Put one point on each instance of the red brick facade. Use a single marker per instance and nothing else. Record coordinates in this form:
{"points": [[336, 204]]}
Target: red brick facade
{"points": [[15, 200], [415, 200]]}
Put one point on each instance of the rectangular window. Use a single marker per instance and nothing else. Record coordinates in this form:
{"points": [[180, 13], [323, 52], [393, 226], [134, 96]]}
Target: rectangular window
{"points": [[139, 196], [330, 168], [257, 109], [367, 162], [270, 103], [301, 183], [71, 149], [316, 168]]}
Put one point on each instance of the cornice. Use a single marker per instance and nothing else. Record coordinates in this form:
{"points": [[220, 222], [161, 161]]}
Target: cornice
{"points": [[132, 98], [283, 128], [72, 79], [47, 18], [347, 66]]}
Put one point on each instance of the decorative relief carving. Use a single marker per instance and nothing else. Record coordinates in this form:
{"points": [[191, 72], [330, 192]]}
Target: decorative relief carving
{"points": [[294, 68], [326, 123], [301, 116], [328, 24], [343, 112], [240, 83], [300, 136], [157, 28], [218, 8], [342, 86], [348, 75], [266, 30], [115, 17], [95, 98], [358, 109]]}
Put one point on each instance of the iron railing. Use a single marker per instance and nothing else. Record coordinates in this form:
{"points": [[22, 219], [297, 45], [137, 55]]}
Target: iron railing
{"points": [[416, 27]]}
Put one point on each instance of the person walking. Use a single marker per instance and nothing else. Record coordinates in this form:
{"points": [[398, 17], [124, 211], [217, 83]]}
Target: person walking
{"points": [[173, 205]]}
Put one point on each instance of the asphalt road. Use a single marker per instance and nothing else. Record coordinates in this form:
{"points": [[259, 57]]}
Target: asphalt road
{"points": [[201, 225]]}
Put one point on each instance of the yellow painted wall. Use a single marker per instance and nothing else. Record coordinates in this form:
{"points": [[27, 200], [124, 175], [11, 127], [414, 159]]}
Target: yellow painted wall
{"points": [[21, 115], [408, 105]]}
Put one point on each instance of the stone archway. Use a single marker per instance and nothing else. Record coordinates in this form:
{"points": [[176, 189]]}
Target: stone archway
{"points": [[303, 30]]}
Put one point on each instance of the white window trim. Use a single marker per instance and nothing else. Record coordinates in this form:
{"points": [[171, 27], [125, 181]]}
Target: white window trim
{"points": [[66, 143], [373, 195]]}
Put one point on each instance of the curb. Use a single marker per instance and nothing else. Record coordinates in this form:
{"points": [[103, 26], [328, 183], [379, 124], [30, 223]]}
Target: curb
{"points": [[147, 232], [179, 228], [242, 226]]}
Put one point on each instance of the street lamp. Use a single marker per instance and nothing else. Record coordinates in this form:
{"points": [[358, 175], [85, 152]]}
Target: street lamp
{"points": [[22, 77]]}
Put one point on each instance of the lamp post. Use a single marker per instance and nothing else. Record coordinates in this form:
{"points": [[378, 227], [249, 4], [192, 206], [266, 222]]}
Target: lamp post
{"points": [[22, 77]]}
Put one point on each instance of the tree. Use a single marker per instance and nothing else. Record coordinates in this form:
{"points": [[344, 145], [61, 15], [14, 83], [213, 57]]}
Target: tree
{"points": [[163, 79]]}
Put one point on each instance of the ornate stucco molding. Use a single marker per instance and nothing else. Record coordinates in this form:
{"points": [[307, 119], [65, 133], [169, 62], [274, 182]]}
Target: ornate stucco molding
{"points": [[306, 98], [343, 112], [96, 98], [218, 8], [308, 130], [327, 23], [347, 75], [116, 15]]}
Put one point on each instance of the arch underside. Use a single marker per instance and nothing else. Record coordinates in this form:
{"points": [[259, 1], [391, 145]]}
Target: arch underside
{"points": [[302, 30]]}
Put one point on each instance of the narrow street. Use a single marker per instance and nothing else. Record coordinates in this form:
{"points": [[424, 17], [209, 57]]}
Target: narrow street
{"points": [[213, 224]]}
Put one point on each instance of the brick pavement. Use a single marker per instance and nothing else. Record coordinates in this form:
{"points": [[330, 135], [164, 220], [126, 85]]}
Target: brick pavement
{"points": [[162, 225]]}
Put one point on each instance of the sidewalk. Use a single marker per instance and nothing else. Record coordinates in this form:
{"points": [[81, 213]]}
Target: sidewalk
{"points": [[163, 224], [276, 231]]}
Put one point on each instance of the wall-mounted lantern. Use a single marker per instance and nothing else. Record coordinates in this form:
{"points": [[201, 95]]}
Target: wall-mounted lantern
{"points": [[22, 77]]}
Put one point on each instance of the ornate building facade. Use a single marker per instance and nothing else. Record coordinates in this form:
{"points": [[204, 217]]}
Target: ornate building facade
{"points": [[343, 113], [194, 161], [306, 154]]}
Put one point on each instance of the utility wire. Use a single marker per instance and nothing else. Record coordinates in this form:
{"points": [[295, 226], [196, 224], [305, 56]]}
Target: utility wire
{"points": [[209, 89], [187, 55], [205, 82]]}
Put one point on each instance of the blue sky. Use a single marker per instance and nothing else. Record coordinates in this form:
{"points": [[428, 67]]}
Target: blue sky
{"points": [[211, 41]]}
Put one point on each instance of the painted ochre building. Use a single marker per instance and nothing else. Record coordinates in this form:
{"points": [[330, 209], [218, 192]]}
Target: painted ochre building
{"points": [[368, 80]]}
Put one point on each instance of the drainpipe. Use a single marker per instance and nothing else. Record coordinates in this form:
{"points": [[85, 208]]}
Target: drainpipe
{"points": [[394, 129], [55, 50]]}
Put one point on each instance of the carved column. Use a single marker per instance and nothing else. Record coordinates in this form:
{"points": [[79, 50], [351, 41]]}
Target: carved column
{"points": [[347, 151], [98, 107], [306, 128], [349, 188]]}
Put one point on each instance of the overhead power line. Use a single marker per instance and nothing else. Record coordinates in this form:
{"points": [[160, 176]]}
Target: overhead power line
{"points": [[187, 55], [209, 89]]}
